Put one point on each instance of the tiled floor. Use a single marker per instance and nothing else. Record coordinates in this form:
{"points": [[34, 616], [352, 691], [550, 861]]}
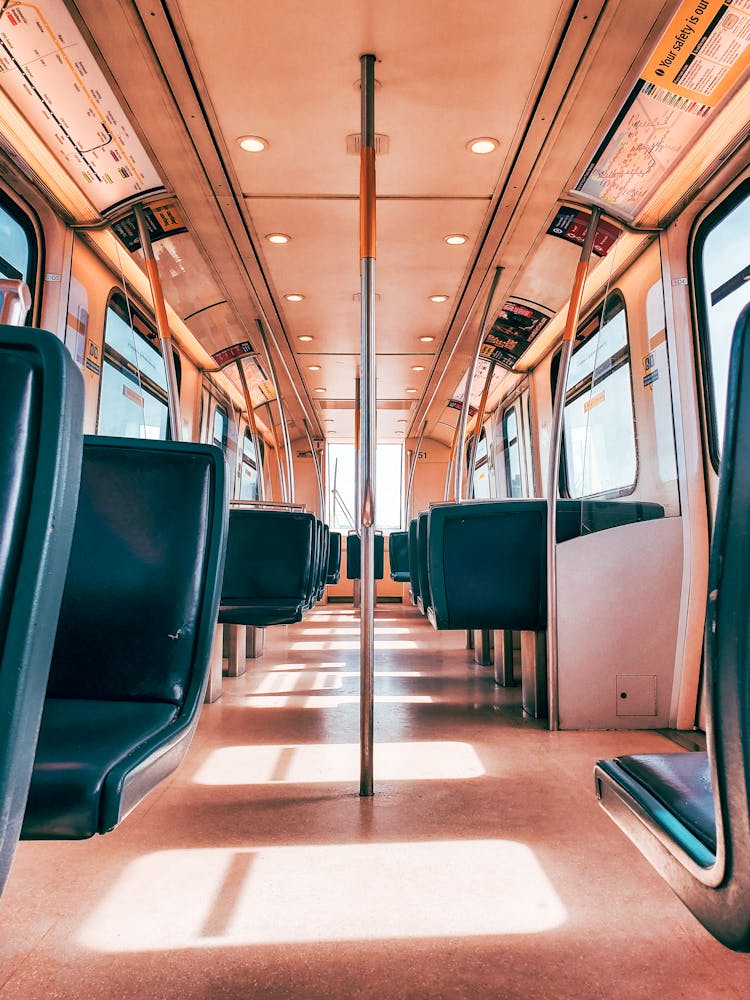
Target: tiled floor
{"points": [[482, 868]]}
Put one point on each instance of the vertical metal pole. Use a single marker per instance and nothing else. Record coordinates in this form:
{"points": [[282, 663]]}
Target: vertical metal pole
{"points": [[571, 326], [357, 438], [253, 430], [162, 324], [367, 418], [451, 458], [412, 470], [357, 584], [318, 474], [461, 436], [478, 430], [289, 497], [277, 452]]}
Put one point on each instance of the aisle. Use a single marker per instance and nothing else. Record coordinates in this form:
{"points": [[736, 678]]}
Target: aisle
{"points": [[482, 868]]}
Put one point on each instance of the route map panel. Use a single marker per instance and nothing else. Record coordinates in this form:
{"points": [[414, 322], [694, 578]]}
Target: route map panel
{"points": [[703, 52], [50, 75]]}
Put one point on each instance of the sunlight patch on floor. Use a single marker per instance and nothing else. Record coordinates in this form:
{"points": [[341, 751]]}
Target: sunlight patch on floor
{"points": [[199, 898], [340, 630], [282, 667], [308, 680], [296, 681], [312, 762], [311, 646], [330, 701]]}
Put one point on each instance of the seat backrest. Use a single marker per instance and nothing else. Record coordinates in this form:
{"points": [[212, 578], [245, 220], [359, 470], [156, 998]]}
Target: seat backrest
{"points": [[334, 557], [413, 559], [398, 552], [353, 555], [141, 595], [583, 517], [41, 420], [488, 564], [269, 555], [422, 560], [321, 560], [727, 656]]}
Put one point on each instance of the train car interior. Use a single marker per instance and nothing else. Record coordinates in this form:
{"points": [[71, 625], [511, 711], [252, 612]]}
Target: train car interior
{"points": [[375, 397]]}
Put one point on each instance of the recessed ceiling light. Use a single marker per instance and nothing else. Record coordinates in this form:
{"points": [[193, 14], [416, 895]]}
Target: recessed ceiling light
{"points": [[294, 297], [278, 238], [305, 338], [411, 390], [455, 239], [417, 368], [253, 143], [320, 389], [482, 145], [425, 340], [402, 420], [438, 298], [313, 368]]}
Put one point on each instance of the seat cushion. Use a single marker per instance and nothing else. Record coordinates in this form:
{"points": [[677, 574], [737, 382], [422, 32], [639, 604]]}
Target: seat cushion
{"points": [[79, 743], [260, 612], [682, 783]]}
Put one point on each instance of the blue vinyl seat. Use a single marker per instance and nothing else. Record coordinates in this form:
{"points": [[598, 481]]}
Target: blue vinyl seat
{"points": [[487, 559], [689, 813], [398, 556], [41, 421], [353, 569], [424, 596], [334, 557], [413, 560], [131, 657], [271, 568]]}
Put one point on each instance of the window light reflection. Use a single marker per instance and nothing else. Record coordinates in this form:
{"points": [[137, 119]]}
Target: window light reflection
{"points": [[309, 646], [334, 665], [218, 897], [329, 701], [312, 680], [314, 762], [327, 630]]}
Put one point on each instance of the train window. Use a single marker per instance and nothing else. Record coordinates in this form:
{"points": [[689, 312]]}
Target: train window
{"points": [[221, 428], [722, 270], [389, 475], [599, 446], [249, 470], [656, 380], [133, 400], [18, 244], [481, 486], [513, 483]]}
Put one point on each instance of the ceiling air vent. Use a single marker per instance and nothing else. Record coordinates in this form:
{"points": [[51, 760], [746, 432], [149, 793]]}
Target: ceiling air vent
{"points": [[382, 144]]}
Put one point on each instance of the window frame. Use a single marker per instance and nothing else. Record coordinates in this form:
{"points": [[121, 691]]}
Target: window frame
{"points": [[515, 409], [124, 307], [27, 219], [593, 323], [703, 230], [252, 463], [220, 410]]}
